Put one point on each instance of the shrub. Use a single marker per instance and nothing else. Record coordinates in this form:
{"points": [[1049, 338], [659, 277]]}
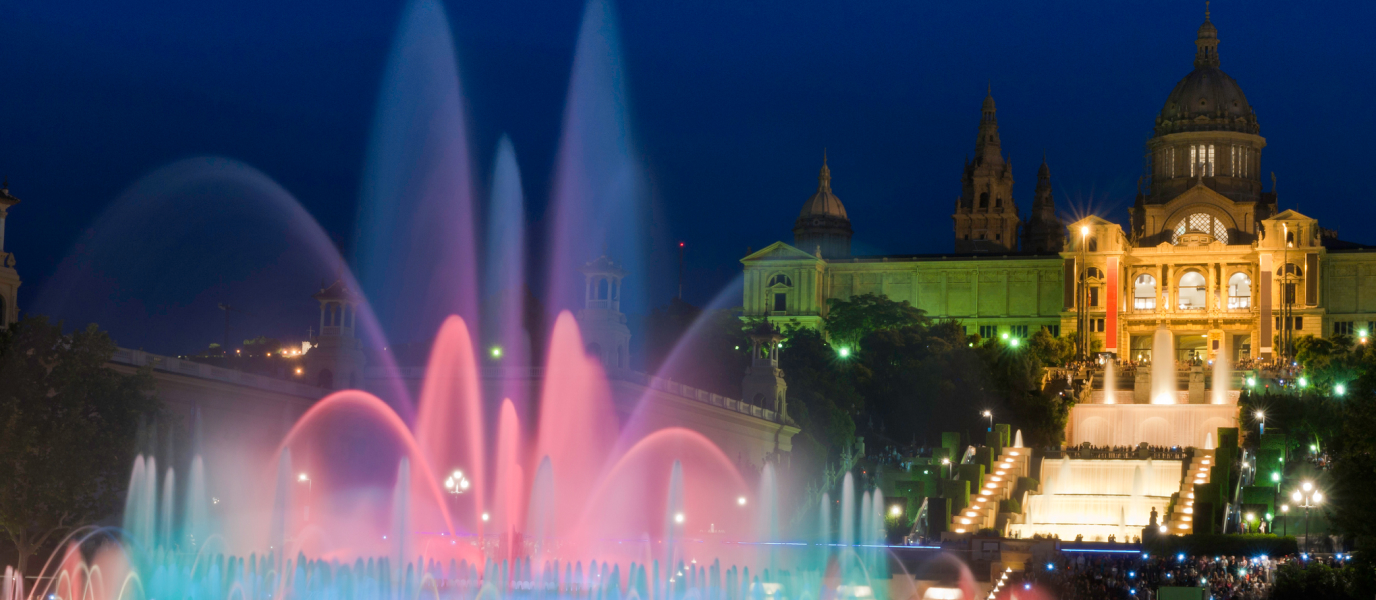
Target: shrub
{"points": [[1213, 544], [1010, 505], [1027, 484]]}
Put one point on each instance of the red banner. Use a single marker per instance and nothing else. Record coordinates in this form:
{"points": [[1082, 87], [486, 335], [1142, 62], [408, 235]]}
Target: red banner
{"points": [[1111, 310]]}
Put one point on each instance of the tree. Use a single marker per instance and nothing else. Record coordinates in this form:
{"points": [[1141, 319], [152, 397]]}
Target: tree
{"points": [[848, 321], [68, 430]]}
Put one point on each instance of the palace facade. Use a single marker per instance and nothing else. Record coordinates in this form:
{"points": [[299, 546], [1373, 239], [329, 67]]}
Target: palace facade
{"points": [[1207, 252]]}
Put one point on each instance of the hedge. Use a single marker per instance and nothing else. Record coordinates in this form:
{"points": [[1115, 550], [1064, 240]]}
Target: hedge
{"points": [[1010, 505], [1214, 544], [1027, 484]]}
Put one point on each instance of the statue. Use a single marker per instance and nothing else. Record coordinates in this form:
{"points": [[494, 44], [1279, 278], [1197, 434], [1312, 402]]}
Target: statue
{"points": [[1152, 521]]}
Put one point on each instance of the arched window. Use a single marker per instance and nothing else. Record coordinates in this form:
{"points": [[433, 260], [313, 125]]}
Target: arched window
{"points": [[998, 202], [781, 280], [1290, 269], [1239, 291], [603, 289], [984, 200], [1191, 291], [1144, 292], [1200, 223]]}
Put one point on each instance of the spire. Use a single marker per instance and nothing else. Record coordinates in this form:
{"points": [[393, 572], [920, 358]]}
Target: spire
{"points": [[824, 176], [987, 145], [1206, 52]]}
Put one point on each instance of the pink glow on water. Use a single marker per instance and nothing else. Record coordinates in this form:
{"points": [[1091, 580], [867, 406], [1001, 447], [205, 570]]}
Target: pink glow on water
{"points": [[509, 488], [577, 423], [308, 433], [630, 500], [450, 424]]}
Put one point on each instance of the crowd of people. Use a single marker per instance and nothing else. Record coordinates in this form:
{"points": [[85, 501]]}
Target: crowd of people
{"points": [[1136, 578], [1128, 452]]}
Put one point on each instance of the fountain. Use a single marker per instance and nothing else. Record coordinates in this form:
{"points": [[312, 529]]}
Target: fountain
{"points": [[1110, 382], [1223, 375], [1164, 388], [550, 494]]}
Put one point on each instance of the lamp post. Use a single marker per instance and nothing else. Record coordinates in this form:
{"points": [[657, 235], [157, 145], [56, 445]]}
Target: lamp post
{"points": [[1261, 420], [1311, 498], [989, 414], [1284, 523], [1082, 295], [947, 463]]}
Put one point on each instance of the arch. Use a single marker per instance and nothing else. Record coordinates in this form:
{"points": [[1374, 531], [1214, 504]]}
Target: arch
{"points": [[1155, 431], [1290, 269], [1239, 290], [325, 379], [1190, 291], [758, 400], [1144, 292], [984, 199], [603, 289], [1222, 220], [1094, 430], [780, 279], [1094, 273]]}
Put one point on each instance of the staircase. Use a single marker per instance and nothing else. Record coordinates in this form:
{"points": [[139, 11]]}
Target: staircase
{"points": [[1180, 521], [998, 485]]}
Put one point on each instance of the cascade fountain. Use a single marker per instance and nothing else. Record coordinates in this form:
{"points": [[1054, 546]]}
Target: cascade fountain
{"points": [[1096, 498], [1110, 382], [1164, 388], [1223, 375]]}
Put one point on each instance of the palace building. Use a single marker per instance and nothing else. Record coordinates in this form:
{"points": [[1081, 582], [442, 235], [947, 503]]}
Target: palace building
{"points": [[1207, 254]]}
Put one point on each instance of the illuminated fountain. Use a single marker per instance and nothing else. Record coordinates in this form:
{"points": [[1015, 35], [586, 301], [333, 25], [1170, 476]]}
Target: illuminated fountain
{"points": [[1110, 382], [1096, 498], [1164, 387], [1223, 377], [543, 493]]}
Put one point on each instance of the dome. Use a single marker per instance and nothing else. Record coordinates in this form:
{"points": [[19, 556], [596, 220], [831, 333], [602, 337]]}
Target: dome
{"points": [[1207, 99], [823, 203]]}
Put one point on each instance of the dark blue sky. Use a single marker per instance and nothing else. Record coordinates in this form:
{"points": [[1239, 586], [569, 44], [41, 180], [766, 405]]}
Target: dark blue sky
{"points": [[731, 101]]}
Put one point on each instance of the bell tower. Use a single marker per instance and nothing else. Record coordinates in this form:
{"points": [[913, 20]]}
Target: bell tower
{"points": [[9, 278], [986, 217], [1044, 233], [601, 320], [764, 384], [335, 360]]}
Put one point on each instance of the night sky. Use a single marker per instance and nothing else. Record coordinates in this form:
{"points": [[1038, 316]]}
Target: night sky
{"points": [[732, 103]]}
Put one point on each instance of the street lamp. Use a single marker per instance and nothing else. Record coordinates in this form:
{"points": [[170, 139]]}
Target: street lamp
{"points": [[1284, 523], [989, 414], [1311, 498], [1261, 420], [947, 462], [456, 483]]}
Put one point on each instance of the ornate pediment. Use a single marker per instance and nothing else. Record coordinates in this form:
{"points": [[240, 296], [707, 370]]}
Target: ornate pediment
{"points": [[779, 251]]}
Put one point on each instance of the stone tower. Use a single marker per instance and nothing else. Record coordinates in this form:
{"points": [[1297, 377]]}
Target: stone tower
{"points": [[764, 384], [601, 320], [823, 224], [1044, 232], [335, 360], [986, 217], [9, 278]]}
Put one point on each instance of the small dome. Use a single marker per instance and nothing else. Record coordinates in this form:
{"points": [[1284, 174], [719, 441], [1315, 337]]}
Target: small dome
{"points": [[823, 203]]}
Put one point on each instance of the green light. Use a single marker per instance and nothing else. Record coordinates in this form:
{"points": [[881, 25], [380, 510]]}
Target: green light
{"points": [[1361, 333], [1005, 335], [496, 352], [1270, 516], [844, 352], [1275, 477], [1340, 389], [1304, 382], [1013, 342], [1251, 382]]}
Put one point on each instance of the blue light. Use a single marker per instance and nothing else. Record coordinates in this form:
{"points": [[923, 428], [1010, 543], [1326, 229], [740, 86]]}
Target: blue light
{"points": [[1050, 567], [1133, 591], [1180, 557], [1145, 556], [1027, 586], [1132, 574], [1305, 556]]}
